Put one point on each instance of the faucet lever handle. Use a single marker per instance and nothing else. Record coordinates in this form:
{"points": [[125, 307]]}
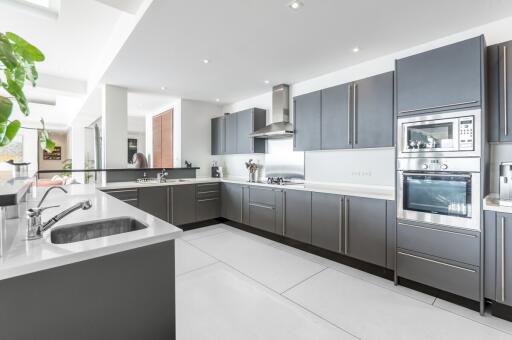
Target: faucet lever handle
{"points": [[38, 211]]}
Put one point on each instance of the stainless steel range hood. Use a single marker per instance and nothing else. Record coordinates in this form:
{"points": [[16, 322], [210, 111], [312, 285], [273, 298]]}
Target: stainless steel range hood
{"points": [[280, 126]]}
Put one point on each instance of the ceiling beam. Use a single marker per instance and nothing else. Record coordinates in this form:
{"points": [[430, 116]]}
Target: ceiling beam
{"points": [[62, 85]]}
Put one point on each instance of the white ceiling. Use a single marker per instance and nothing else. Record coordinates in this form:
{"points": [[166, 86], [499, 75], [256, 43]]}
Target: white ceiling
{"points": [[254, 40]]}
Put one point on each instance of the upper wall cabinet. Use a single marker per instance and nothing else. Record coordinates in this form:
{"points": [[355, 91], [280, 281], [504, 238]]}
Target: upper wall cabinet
{"points": [[446, 78], [230, 133], [353, 115], [307, 122], [499, 71]]}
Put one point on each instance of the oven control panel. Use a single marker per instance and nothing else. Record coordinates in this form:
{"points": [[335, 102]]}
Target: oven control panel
{"points": [[434, 165], [466, 129]]}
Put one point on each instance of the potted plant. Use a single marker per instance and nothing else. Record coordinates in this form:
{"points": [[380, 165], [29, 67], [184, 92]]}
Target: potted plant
{"points": [[17, 60]]}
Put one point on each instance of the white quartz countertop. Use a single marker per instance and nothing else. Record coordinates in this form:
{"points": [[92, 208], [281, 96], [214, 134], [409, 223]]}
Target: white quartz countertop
{"points": [[491, 203], [21, 256], [376, 192]]}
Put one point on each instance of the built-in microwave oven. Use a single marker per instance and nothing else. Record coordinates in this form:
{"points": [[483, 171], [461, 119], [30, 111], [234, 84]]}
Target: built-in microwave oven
{"points": [[447, 134], [442, 191]]}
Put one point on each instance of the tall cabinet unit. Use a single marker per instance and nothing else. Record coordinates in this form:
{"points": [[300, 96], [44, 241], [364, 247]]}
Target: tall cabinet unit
{"points": [[445, 78], [499, 99]]}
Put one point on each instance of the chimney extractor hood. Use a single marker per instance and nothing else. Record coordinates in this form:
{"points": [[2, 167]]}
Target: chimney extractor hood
{"points": [[280, 126]]}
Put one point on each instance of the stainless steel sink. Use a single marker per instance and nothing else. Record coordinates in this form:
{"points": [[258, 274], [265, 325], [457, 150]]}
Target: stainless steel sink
{"points": [[89, 230]]}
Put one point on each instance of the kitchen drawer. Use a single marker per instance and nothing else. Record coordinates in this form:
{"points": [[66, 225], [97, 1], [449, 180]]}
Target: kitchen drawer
{"points": [[123, 194], [447, 244], [132, 201], [208, 194], [206, 187], [263, 196], [458, 279], [208, 208], [262, 217]]}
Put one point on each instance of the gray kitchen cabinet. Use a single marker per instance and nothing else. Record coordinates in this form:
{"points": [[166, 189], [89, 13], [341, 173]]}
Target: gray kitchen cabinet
{"points": [[129, 196], [153, 200], [499, 93], [249, 121], [245, 205], [218, 136], [279, 194], [232, 198], [390, 234], [208, 201], [366, 229], [183, 204], [262, 208], [373, 111], [307, 121], [503, 254], [490, 239], [327, 221], [444, 78], [297, 210], [336, 116], [231, 131]]}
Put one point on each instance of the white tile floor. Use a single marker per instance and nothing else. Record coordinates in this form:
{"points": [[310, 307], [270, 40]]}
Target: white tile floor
{"points": [[235, 285]]}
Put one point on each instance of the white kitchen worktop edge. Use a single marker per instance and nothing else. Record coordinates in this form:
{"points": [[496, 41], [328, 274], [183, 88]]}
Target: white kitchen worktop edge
{"points": [[376, 192], [491, 203], [21, 256]]}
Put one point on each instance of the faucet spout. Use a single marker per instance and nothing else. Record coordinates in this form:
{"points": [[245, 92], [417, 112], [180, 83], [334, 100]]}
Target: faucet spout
{"points": [[84, 205], [48, 191]]}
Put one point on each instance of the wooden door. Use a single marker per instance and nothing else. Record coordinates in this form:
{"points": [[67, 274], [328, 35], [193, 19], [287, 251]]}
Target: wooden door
{"points": [[162, 140]]}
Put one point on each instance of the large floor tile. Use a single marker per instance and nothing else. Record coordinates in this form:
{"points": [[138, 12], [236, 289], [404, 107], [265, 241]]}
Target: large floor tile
{"points": [[203, 232], [372, 312], [488, 319], [275, 268], [217, 302], [188, 258]]}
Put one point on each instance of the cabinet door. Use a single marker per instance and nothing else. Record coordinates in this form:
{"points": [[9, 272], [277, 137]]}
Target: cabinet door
{"points": [[154, 201], [306, 121], [157, 142], [218, 136], [231, 133], [366, 229], [390, 234], [490, 238], [493, 92], [232, 201], [208, 208], [440, 79], [373, 111], [327, 221], [245, 127], [505, 75], [503, 263], [336, 117], [183, 204], [298, 215]]}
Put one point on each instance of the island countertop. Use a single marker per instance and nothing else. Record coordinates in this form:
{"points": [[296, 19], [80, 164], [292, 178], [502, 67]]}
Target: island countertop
{"points": [[21, 256]]}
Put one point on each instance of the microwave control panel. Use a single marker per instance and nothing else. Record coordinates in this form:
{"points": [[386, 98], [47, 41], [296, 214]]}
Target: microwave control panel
{"points": [[466, 133]]}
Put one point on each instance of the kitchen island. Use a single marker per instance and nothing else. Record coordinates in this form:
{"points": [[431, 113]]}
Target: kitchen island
{"points": [[114, 287]]}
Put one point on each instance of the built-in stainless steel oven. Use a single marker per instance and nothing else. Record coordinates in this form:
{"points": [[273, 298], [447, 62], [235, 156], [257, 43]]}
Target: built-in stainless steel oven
{"points": [[447, 134], [443, 191]]}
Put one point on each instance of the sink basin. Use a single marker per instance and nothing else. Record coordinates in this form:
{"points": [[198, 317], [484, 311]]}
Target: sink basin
{"points": [[89, 230]]}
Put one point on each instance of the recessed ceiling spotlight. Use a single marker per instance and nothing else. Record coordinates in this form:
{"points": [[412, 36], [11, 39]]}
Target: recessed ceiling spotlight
{"points": [[163, 88], [267, 82], [355, 49], [206, 61], [295, 4], [217, 100]]}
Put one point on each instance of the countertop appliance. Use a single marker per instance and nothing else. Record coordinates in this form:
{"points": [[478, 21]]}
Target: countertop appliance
{"points": [[446, 134], [442, 191], [506, 183]]}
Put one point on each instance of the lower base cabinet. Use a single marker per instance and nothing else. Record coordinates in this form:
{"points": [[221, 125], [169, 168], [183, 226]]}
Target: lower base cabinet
{"points": [[153, 200], [327, 221], [232, 198], [366, 229], [297, 210], [183, 204]]}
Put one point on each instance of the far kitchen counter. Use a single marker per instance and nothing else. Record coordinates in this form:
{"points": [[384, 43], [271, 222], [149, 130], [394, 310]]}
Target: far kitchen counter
{"points": [[21, 256], [491, 203], [376, 192]]}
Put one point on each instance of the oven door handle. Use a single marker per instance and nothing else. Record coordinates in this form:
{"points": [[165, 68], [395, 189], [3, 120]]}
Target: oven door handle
{"points": [[435, 174]]}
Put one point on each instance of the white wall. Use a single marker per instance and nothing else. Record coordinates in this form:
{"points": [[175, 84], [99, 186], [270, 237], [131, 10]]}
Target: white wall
{"points": [[375, 166], [196, 134], [114, 117]]}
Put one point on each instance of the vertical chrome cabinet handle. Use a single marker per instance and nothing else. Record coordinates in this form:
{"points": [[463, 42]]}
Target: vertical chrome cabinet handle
{"points": [[172, 204], [346, 224], [349, 90], [354, 120], [340, 229], [502, 258], [284, 212], [505, 89]]}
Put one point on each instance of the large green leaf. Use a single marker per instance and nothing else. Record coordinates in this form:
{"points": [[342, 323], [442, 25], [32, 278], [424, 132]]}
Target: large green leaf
{"points": [[3, 129], [31, 72], [5, 109], [7, 56], [25, 49], [16, 91], [44, 140], [16, 75], [10, 132]]}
